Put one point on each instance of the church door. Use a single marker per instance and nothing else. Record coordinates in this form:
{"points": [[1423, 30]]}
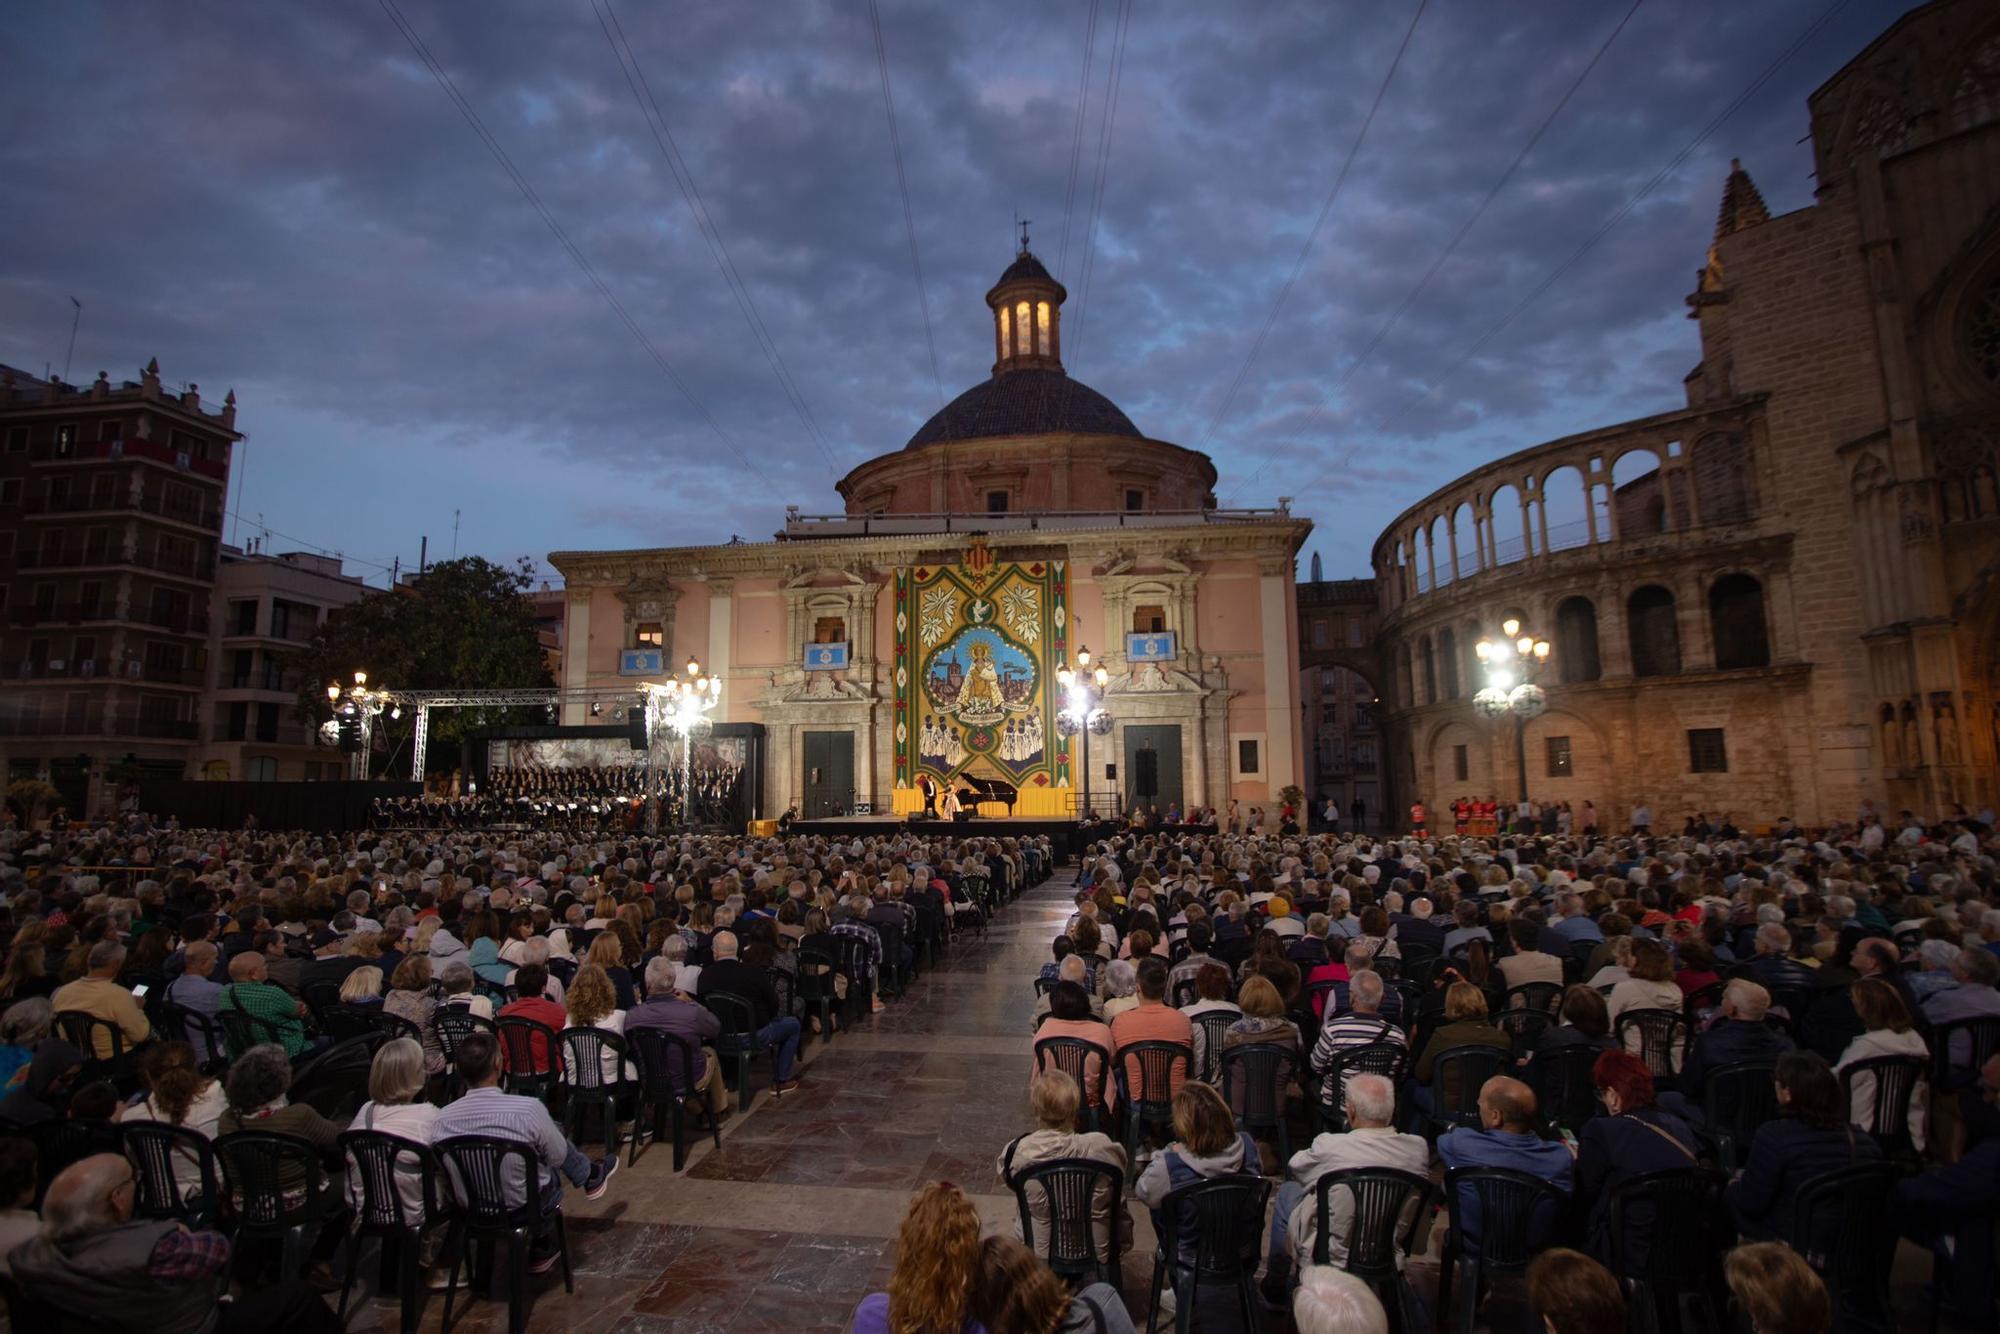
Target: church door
{"points": [[829, 775], [1152, 766]]}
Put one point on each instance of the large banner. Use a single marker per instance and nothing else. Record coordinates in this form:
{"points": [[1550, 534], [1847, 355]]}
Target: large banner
{"points": [[977, 647]]}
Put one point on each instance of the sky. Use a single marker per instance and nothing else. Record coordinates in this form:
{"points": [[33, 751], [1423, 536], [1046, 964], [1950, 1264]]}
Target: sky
{"points": [[283, 199]]}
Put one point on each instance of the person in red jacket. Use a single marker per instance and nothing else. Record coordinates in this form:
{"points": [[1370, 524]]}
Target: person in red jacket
{"points": [[1417, 817], [529, 981]]}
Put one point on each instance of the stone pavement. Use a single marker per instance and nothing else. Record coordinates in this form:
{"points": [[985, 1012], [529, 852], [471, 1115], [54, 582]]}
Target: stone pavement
{"points": [[793, 1220]]}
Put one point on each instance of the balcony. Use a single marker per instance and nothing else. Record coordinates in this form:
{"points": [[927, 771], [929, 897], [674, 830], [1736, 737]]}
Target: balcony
{"points": [[206, 517], [92, 669], [71, 557], [193, 622], [150, 451], [62, 613], [97, 722]]}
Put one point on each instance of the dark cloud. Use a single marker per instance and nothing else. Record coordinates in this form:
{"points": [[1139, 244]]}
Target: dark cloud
{"points": [[279, 197]]}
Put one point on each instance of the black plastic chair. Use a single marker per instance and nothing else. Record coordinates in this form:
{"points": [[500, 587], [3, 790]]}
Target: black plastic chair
{"points": [[665, 1063], [1185, 993], [1217, 1225], [476, 1169], [381, 1162], [1524, 1025], [530, 1054], [1044, 985], [276, 1193], [1736, 1099], [1254, 1077], [1510, 1234], [1685, 1228], [1949, 1069], [321, 998], [1214, 1024], [241, 1031], [178, 1023], [1544, 997], [390, 1026], [453, 1024], [1072, 1057], [586, 1085], [334, 1080], [1389, 1207], [1145, 1077], [816, 974], [1469, 1067], [1701, 998], [1391, 1060], [1897, 1079], [1663, 1037], [60, 1143], [159, 1154], [81, 1029], [1844, 1224], [738, 1039], [1069, 1189], [1565, 1089]]}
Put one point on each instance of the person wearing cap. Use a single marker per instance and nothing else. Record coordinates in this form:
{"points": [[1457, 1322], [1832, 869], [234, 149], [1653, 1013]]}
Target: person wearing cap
{"points": [[1283, 920]]}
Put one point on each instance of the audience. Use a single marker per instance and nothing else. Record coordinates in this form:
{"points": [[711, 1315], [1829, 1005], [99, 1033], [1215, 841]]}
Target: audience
{"points": [[1810, 1136], [1371, 1140], [1054, 1098], [1777, 1290], [937, 1265]]}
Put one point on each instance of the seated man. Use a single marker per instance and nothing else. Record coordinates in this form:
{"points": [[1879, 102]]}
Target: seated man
{"points": [[1075, 969], [1362, 1025], [99, 994], [249, 993], [193, 990], [1738, 1034], [1370, 1141], [1528, 963], [1975, 971], [95, 1263], [670, 1006], [1153, 1020], [729, 975], [1506, 1138], [485, 1110]]}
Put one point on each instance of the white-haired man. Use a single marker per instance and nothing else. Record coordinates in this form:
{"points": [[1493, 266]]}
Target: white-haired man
{"points": [[1371, 1140], [1333, 1301]]}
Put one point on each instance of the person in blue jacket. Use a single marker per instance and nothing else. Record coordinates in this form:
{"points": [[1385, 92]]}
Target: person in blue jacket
{"points": [[1810, 1137]]}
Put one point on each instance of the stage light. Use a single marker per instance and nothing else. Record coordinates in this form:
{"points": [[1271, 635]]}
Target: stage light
{"points": [[395, 711]]}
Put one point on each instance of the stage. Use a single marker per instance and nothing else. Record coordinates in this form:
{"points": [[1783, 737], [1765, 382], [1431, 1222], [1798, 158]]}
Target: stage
{"points": [[1067, 836]]}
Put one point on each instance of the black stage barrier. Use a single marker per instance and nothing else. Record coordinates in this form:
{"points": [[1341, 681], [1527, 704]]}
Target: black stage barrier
{"points": [[337, 806]]}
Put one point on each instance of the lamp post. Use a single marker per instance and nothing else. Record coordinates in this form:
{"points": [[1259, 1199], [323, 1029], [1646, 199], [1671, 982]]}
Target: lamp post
{"points": [[682, 706], [1511, 664], [1083, 689], [352, 726]]}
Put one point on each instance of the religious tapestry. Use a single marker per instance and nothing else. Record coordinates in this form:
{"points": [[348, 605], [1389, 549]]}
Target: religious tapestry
{"points": [[977, 647]]}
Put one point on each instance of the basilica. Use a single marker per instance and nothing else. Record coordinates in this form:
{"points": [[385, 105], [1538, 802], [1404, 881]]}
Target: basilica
{"points": [[915, 640]]}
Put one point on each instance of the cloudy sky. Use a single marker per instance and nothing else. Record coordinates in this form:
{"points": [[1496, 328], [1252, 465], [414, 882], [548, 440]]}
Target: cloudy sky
{"points": [[283, 199]]}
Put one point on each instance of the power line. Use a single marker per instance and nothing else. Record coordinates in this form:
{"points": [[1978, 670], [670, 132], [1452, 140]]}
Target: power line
{"points": [[1736, 104], [903, 185], [1076, 138], [1466, 227], [521, 183], [1333, 193], [1113, 79], [718, 249]]}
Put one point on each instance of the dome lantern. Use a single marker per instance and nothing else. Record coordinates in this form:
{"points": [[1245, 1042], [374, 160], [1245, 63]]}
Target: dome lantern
{"points": [[1027, 315]]}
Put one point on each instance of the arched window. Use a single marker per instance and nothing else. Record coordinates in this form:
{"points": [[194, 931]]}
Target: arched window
{"points": [[1024, 332], [1448, 651], [1576, 640], [1042, 328], [1656, 635], [1430, 671], [1736, 620]]}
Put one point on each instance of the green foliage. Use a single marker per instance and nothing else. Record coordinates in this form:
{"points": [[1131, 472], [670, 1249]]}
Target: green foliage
{"points": [[31, 798], [1290, 795], [466, 625]]}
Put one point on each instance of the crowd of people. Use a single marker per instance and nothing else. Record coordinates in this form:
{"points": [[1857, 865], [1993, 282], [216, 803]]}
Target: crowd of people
{"points": [[619, 797], [205, 980]]}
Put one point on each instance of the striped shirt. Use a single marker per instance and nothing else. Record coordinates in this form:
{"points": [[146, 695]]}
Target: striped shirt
{"points": [[868, 936], [488, 1111], [1352, 1030]]}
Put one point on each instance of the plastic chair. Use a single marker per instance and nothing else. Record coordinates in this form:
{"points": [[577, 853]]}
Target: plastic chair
{"points": [[267, 1200], [1565, 1089], [1254, 1076], [60, 1143], [454, 1023], [1523, 1025], [1072, 1057], [1044, 985], [1145, 1076], [178, 1023], [1896, 1081], [1663, 1037], [658, 1055], [1218, 1223], [81, 1029], [381, 1212], [1389, 1207], [1186, 992], [160, 1153], [1508, 1240], [530, 1055], [1844, 1224], [334, 1080], [1977, 1041], [1679, 1216], [241, 1031], [1469, 1066], [1545, 997], [816, 989], [1213, 1024], [738, 1039], [1736, 1099], [1069, 1189], [1391, 1060], [586, 1085], [391, 1026], [476, 1169], [1701, 998]]}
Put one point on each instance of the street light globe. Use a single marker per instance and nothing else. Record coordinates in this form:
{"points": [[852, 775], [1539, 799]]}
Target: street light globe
{"points": [[1065, 677], [1525, 645], [1101, 677], [1541, 650], [1490, 703], [1483, 649], [1528, 701], [333, 691], [693, 667], [1511, 626], [361, 678], [1083, 656]]}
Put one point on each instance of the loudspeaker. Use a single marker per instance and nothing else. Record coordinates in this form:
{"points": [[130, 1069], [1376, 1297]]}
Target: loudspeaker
{"points": [[635, 728]]}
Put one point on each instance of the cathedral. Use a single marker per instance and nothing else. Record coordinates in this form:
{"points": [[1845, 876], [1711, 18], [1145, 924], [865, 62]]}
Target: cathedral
{"points": [[917, 638]]}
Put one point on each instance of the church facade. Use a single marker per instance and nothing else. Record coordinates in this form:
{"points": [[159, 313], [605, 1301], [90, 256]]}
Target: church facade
{"points": [[1784, 597], [916, 638]]}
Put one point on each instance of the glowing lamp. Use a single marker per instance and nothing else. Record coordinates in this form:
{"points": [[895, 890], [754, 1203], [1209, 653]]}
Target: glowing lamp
{"points": [[1542, 650], [1483, 649], [333, 691], [1525, 645], [1511, 626]]}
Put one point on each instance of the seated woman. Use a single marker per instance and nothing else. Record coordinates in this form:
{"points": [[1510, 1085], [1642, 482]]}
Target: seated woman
{"points": [[1070, 1017], [937, 1260], [457, 981], [1633, 1137], [1122, 987], [23, 1025], [1206, 1145], [410, 998], [1584, 1021], [178, 1094], [1888, 1033], [1810, 1136], [1054, 1098], [363, 986], [1263, 1018], [256, 1086], [593, 1003], [396, 1079], [1015, 1293], [1465, 1025]]}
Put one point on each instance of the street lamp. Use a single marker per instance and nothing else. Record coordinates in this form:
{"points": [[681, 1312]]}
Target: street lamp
{"points": [[682, 706], [1083, 689], [352, 727], [1511, 664]]}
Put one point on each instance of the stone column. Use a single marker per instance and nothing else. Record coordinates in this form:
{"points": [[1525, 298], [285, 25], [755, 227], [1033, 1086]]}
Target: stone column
{"points": [[576, 653]]}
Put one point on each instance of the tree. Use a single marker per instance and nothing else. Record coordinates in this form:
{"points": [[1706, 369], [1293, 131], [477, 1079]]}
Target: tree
{"points": [[465, 624]]}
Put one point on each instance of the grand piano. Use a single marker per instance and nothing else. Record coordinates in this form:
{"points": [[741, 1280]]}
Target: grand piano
{"points": [[973, 790]]}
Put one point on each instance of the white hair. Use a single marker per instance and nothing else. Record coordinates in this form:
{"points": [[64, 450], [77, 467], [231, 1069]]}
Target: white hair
{"points": [[1372, 1098], [1364, 992], [1333, 1301], [1124, 978], [1750, 1001], [1938, 954]]}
